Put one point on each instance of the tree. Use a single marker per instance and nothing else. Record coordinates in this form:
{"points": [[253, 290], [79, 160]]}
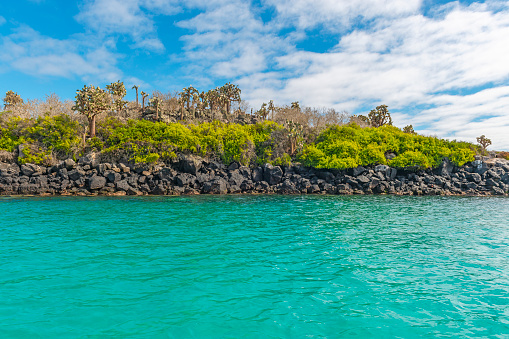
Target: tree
{"points": [[202, 102], [196, 102], [212, 97], [230, 93], [136, 88], [143, 97], [409, 129], [484, 143], [272, 108], [91, 101], [187, 94], [295, 105], [295, 133], [156, 103], [11, 99], [263, 112], [118, 92], [380, 116]]}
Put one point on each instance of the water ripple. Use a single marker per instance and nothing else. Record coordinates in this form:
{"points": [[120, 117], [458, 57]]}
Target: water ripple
{"points": [[254, 266]]}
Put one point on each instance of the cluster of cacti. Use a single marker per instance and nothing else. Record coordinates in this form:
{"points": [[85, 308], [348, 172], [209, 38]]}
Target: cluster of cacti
{"points": [[380, 116], [265, 109], [263, 112], [196, 102], [300, 123]]}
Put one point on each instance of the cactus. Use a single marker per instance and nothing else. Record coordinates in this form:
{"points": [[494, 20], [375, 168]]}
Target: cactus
{"points": [[11, 99], [91, 101], [136, 88], [380, 116], [484, 143], [143, 97], [117, 91], [156, 103], [263, 112], [295, 134], [409, 129], [230, 94], [271, 108]]}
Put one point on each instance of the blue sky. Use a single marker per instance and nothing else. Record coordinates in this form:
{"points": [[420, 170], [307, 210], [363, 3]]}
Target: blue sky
{"points": [[439, 65]]}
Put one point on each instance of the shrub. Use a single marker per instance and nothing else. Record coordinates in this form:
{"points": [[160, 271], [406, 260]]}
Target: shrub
{"points": [[349, 146]]}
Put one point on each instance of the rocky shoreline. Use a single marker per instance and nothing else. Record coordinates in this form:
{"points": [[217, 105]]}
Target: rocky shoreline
{"points": [[193, 175]]}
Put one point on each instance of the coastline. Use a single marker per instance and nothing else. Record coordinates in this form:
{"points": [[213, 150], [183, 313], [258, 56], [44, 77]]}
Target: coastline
{"points": [[189, 175]]}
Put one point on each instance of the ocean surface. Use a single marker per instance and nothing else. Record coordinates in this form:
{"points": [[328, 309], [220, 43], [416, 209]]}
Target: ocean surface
{"points": [[254, 267]]}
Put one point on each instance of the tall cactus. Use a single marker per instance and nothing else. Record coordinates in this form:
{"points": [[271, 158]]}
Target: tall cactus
{"points": [[212, 97], [91, 101], [231, 93], [187, 94], [271, 108], [11, 99], [156, 103], [295, 133], [143, 97], [380, 116], [118, 92], [136, 88]]}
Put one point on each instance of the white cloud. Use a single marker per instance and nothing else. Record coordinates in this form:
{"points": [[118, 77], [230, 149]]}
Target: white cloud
{"points": [[32, 53], [228, 41], [386, 52], [2, 20], [127, 17], [339, 14], [405, 63], [468, 116]]}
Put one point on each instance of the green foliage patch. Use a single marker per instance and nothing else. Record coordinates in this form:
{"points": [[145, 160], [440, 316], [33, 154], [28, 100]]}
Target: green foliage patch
{"points": [[349, 146], [146, 141], [57, 135], [143, 141]]}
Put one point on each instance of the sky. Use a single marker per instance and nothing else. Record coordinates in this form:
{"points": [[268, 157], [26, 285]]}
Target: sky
{"points": [[442, 66]]}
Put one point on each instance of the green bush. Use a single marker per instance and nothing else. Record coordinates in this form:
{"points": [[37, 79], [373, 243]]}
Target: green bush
{"points": [[143, 141], [57, 135], [350, 146]]}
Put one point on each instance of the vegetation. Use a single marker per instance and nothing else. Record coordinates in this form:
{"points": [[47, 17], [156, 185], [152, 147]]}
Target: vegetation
{"points": [[484, 143], [503, 155], [213, 124], [11, 99], [43, 138], [350, 146], [91, 101]]}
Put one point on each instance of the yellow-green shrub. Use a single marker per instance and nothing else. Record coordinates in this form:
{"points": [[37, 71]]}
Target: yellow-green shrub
{"points": [[350, 145]]}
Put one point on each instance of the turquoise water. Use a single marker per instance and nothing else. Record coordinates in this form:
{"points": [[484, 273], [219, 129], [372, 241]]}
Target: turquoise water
{"points": [[254, 267]]}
